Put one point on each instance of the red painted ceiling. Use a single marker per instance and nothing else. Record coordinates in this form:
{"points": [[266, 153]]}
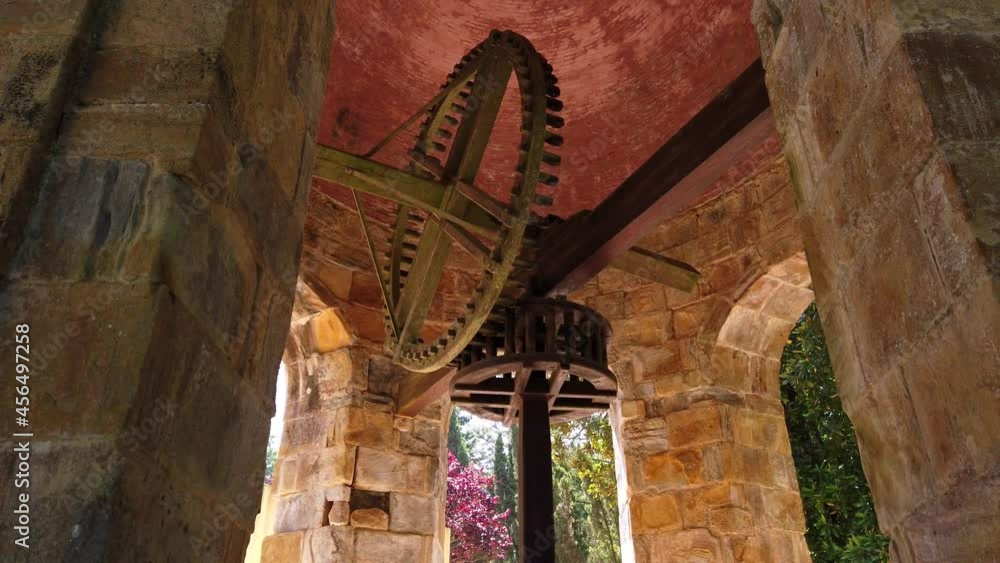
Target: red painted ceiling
{"points": [[632, 72]]}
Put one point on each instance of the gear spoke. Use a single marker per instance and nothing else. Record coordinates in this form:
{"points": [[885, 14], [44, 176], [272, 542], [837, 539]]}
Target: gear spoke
{"points": [[449, 152]]}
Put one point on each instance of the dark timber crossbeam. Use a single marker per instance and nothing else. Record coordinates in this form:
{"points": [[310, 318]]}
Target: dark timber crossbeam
{"points": [[735, 123]]}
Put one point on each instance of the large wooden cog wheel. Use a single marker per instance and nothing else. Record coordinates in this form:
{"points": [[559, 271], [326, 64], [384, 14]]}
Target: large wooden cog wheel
{"points": [[550, 347], [449, 150]]}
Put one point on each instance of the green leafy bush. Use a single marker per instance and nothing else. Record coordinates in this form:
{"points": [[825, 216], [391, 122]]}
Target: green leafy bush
{"points": [[840, 516]]}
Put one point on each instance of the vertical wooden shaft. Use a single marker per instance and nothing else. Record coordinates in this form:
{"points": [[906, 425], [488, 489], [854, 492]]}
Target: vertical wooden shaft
{"points": [[535, 502]]}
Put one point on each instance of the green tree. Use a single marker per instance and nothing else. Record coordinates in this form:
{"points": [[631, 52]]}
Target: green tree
{"points": [[271, 459], [840, 516], [572, 515], [505, 488], [456, 437], [586, 489]]}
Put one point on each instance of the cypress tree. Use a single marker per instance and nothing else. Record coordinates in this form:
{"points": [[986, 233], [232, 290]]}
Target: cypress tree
{"points": [[505, 488], [456, 439]]}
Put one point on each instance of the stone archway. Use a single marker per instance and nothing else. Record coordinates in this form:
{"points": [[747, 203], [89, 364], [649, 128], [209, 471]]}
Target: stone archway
{"points": [[747, 354], [705, 467]]}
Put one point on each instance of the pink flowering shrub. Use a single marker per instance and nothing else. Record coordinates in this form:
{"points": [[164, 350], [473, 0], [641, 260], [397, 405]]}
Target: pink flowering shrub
{"points": [[478, 531]]}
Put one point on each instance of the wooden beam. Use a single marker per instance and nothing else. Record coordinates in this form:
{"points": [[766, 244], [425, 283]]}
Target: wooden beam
{"points": [[536, 507], [651, 266], [377, 179], [569, 389], [417, 391], [735, 123], [520, 384], [556, 381]]}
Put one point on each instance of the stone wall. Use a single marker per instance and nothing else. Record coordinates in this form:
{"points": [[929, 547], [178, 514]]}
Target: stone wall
{"points": [[154, 163], [708, 474], [891, 123], [354, 482]]}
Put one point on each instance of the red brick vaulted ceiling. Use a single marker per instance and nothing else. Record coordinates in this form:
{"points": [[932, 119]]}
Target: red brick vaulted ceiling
{"points": [[632, 72]]}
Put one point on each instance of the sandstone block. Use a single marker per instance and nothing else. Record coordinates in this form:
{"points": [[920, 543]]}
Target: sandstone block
{"points": [[339, 513], [892, 450], [30, 70], [285, 475], [611, 305], [300, 511], [753, 549], [673, 232], [267, 212], [694, 426], [412, 513], [373, 546], [390, 471], [674, 469], [732, 273], [944, 192], [328, 333], [903, 254], [282, 548], [305, 433], [364, 427], [947, 384], [742, 464], [685, 546], [71, 340], [742, 330], [649, 329], [784, 510], [140, 76], [85, 227], [788, 302], [646, 434], [671, 385], [689, 320], [645, 300], [697, 502], [760, 431], [655, 512], [652, 363], [632, 409], [338, 493], [330, 544], [423, 439], [372, 518], [328, 467], [731, 521]]}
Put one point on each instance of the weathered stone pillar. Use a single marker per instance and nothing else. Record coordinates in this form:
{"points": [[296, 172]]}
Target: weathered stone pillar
{"points": [[891, 123], [708, 460], [155, 159], [700, 432], [354, 482]]}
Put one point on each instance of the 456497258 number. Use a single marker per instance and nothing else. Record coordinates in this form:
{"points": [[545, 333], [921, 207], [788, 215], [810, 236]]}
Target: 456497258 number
{"points": [[22, 359]]}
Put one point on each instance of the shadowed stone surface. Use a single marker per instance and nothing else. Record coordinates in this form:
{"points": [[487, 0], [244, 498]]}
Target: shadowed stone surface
{"points": [[891, 135], [158, 304]]}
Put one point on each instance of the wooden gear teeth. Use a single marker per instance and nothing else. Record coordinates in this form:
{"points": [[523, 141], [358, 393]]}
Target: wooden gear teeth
{"points": [[441, 132]]}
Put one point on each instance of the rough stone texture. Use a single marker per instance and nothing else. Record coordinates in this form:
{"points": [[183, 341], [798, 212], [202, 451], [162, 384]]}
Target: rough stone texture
{"points": [[346, 462], [707, 473], [150, 217], [891, 131], [158, 296]]}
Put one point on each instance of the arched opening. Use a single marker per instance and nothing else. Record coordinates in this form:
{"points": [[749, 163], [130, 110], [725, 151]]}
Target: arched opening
{"points": [[304, 374], [483, 490], [841, 523]]}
